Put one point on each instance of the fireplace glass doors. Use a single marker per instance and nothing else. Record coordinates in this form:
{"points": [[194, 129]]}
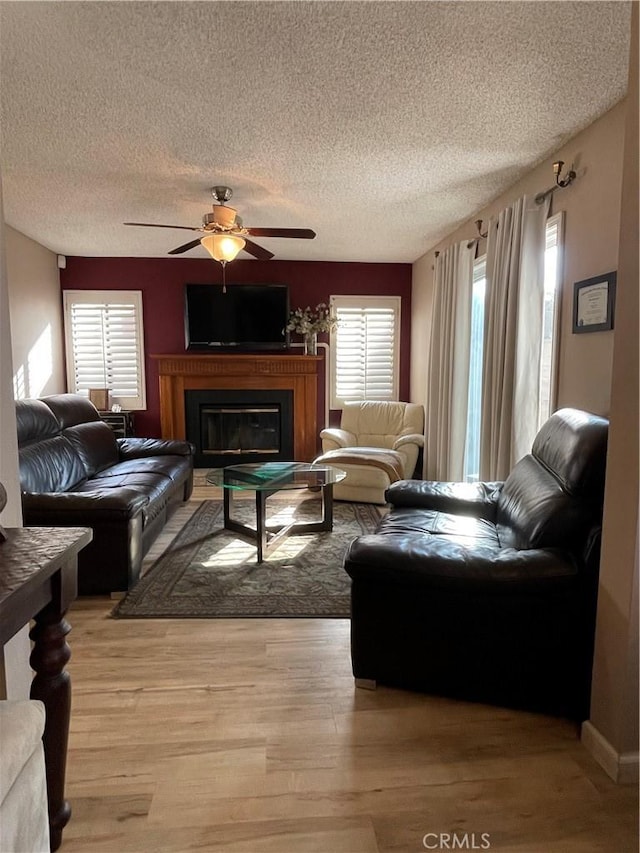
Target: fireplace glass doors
{"points": [[233, 430], [236, 427]]}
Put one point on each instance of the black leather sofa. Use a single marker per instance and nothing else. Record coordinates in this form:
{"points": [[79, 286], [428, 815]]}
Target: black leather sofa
{"points": [[487, 591], [75, 473]]}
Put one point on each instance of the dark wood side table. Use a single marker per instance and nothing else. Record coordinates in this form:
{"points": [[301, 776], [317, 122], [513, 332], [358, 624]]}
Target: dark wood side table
{"points": [[120, 422], [38, 580]]}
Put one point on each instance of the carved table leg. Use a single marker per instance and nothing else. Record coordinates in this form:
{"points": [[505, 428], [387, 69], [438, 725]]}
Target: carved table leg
{"points": [[52, 686]]}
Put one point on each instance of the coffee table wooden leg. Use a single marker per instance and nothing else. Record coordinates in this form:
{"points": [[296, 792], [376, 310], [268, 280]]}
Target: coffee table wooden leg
{"points": [[227, 502], [261, 524], [327, 507]]}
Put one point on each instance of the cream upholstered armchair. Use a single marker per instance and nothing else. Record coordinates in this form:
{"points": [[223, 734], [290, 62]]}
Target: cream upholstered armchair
{"points": [[376, 444]]}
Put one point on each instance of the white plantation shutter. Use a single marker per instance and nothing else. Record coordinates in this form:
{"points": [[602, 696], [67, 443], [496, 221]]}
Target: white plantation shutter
{"points": [[103, 331], [365, 349]]}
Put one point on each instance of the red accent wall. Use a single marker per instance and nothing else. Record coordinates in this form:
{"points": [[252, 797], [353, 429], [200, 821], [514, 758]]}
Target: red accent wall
{"points": [[162, 284]]}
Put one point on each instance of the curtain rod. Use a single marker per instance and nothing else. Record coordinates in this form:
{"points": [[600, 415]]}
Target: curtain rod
{"points": [[560, 184]]}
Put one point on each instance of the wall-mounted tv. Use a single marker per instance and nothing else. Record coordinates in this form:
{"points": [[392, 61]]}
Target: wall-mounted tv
{"points": [[245, 317]]}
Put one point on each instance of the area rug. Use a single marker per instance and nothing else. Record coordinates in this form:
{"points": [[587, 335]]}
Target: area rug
{"points": [[211, 572]]}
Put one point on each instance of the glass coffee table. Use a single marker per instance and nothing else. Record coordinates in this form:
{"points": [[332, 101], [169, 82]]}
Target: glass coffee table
{"points": [[267, 478]]}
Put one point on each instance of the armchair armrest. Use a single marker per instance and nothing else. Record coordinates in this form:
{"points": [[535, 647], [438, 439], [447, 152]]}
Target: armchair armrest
{"points": [[434, 562], [70, 509], [412, 438], [476, 499], [138, 448], [334, 437]]}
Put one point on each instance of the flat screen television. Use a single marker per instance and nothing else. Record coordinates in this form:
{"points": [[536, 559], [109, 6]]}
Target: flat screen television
{"points": [[246, 317]]}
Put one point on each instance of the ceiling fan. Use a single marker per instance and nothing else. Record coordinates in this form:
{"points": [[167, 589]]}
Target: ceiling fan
{"points": [[225, 235]]}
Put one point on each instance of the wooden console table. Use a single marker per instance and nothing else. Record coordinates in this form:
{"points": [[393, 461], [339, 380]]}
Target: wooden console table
{"points": [[38, 580]]}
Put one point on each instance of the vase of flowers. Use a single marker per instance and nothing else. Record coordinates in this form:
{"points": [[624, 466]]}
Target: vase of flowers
{"points": [[309, 321], [311, 343]]}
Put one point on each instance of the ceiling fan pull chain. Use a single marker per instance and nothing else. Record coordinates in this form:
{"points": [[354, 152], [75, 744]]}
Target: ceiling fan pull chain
{"points": [[224, 283]]}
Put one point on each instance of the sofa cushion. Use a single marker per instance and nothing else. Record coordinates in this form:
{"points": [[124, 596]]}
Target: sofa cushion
{"points": [[464, 566], [572, 445], [157, 487], [173, 467], [35, 421], [51, 465], [137, 448], [554, 494], [71, 409], [95, 443], [378, 424]]}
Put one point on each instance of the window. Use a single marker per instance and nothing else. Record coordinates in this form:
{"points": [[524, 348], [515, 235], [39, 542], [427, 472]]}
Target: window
{"points": [[548, 344], [103, 332], [551, 320], [471, 469], [365, 349]]}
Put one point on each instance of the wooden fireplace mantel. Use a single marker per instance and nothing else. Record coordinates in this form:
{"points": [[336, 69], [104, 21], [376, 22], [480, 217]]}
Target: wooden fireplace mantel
{"points": [[201, 372]]}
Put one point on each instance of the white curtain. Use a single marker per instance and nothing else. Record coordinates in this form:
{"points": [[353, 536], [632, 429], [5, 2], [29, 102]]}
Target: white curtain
{"points": [[448, 376], [512, 336]]}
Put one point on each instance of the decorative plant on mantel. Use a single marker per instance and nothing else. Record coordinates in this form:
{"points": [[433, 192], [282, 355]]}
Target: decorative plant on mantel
{"points": [[309, 321]]}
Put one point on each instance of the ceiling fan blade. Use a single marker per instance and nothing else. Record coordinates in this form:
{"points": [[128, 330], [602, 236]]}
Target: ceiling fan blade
{"points": [[297, 233], [155, 225], [257, 251], [184, 248]]}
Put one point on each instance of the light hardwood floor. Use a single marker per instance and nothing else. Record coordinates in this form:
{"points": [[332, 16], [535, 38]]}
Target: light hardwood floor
{"points": [[248, 736]]}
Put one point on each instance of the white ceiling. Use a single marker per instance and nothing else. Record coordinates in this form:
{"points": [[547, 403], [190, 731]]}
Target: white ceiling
{"points": [[381, 125]]}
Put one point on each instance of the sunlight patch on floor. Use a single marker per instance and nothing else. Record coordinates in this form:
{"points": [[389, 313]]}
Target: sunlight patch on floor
{"points": [[237, 551]]}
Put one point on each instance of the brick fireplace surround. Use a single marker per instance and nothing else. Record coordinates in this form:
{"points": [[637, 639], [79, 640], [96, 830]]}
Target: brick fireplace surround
{"points": [[201, 372]]}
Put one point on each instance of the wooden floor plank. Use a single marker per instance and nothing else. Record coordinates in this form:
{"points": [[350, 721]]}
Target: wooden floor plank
{"points": [[248, 736]]}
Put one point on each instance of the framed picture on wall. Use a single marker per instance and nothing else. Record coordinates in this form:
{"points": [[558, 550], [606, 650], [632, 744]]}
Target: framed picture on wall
{"points": [[594, 303]]}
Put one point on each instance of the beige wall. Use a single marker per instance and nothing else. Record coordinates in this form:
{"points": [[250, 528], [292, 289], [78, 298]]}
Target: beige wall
{"points": [[35, 308], [614, 703], [421, 312], [15, 674], [592, 219]]}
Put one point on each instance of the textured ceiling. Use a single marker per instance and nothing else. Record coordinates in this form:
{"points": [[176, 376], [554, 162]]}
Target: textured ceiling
{"points": [[381, 125]]}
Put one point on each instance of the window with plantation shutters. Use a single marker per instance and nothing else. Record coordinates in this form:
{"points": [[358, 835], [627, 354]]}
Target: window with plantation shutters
{"points": [[365, 346], [103, 330]]}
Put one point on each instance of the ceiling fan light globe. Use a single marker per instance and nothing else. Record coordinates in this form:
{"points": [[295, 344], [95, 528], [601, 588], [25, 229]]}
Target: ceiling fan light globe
{"points": [[223, 247]]}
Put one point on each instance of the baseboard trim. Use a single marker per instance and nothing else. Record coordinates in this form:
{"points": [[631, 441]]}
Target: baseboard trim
{"points": [[621, 767]]}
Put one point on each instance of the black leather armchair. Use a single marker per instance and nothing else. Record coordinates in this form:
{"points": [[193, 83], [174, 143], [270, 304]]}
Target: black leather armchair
{"points": [[487, 591]]}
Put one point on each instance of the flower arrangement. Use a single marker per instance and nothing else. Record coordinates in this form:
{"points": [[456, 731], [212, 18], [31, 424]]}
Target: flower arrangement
{"points": [[305, 321]]}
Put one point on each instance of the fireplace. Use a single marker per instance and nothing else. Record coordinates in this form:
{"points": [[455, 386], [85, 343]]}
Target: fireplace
{"points": [[272, 372], [235, 427]]}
